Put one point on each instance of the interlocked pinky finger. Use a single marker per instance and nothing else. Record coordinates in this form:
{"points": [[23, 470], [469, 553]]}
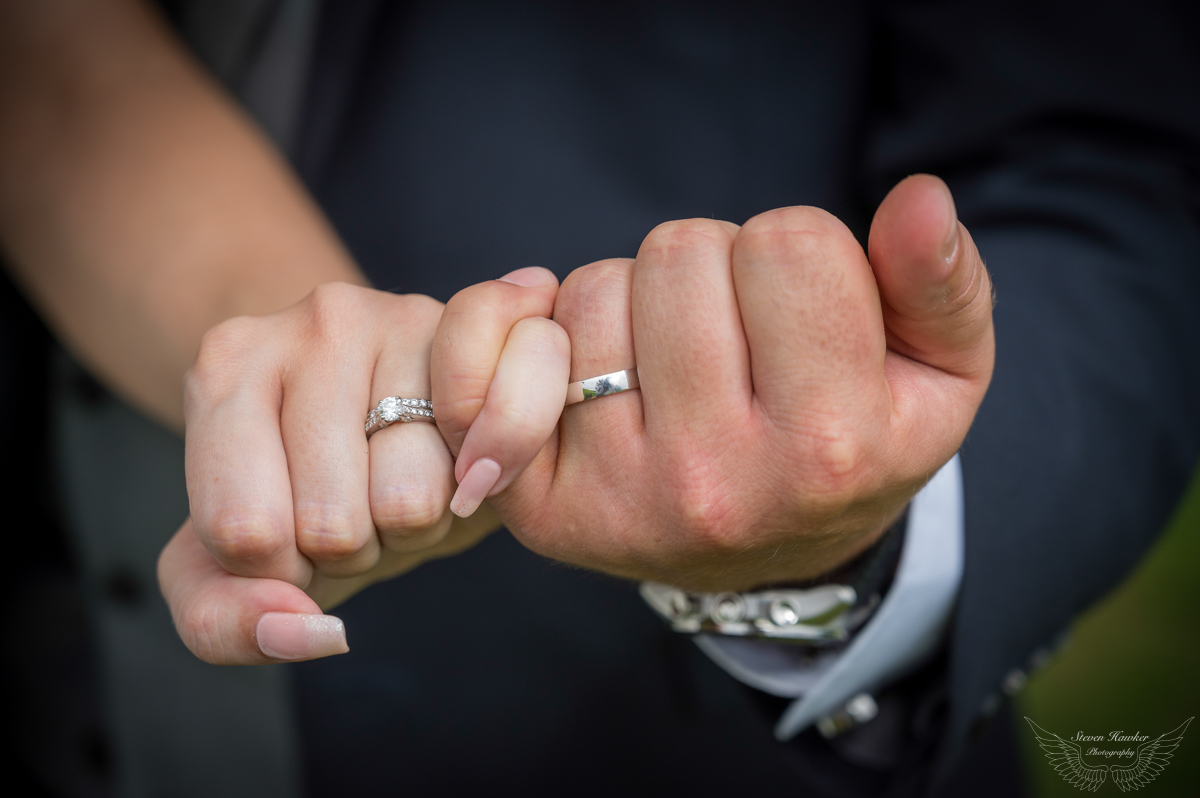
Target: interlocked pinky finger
{"points": [[523, 405]]}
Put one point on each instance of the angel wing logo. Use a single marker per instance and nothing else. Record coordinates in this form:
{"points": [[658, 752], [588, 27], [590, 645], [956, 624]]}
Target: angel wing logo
{"points": [[1151, 758]]}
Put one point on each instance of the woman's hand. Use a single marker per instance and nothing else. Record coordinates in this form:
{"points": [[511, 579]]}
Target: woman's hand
{"points": [[293, 510]]}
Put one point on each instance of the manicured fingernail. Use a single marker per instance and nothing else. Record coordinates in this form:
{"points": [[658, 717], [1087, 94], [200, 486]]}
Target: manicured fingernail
{"points": [[295, 635], [479, 480], [950, 243], [529, 276]]}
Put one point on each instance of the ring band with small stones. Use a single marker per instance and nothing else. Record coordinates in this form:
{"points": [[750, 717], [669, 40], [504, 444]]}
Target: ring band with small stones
{"points": [[398, 409]]}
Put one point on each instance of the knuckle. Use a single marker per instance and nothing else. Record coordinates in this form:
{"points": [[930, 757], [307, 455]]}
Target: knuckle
{"points": [[790, 231], [480, 308], [686, 238], [482, 297], [408, 321], [223, 349], [835, 472], [238, 534], [593, 288], [231, 337], [794, 219], [704, 504], [412, 508], [332, 308], [330, 531]]}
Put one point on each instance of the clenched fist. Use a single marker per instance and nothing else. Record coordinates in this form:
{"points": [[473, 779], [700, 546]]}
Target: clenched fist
{"points": [[796, 392]]}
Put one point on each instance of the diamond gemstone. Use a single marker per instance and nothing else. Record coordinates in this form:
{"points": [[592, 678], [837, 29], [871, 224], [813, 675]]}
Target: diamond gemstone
{"points": [[390, 409]]}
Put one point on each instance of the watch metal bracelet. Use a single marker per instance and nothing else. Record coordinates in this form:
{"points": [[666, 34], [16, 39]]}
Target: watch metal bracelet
{"points": [[817, 615], [818, 612]]}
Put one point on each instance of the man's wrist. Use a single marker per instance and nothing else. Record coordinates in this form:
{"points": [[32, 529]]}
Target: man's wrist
{"points": [[819, 611]]}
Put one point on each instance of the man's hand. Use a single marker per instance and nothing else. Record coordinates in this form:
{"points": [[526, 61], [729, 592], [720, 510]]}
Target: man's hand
{"points": [[794, 394]]}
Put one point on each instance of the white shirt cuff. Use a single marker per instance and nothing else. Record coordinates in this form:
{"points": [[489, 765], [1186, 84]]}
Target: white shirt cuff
{"points": [[904, 631]]}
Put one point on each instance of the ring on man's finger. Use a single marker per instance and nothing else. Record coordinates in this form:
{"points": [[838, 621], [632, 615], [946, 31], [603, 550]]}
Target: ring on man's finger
{"points": [[604, 385], [398, 408]]}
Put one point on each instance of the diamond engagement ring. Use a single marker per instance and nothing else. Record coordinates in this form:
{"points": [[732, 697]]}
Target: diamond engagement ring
{"points": [[604, 385], [397, 408]]}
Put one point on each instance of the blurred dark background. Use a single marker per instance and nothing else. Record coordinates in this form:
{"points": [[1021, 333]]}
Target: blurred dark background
{"points": [[1130, 664]]}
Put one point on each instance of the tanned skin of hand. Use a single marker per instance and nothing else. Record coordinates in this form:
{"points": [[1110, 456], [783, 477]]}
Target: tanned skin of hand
{"points": [[138, 205]]}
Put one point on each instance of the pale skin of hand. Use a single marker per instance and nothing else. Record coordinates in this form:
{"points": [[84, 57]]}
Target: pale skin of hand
{"points": [[139, 207], [293, 509], [872, 372]]}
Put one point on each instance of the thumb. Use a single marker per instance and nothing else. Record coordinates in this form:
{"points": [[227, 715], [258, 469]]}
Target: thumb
{"points": [[936, 292], [236, 620]]}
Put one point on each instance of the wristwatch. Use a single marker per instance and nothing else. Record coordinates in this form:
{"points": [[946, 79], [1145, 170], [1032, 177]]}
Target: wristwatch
{"points": [[818, 612]]}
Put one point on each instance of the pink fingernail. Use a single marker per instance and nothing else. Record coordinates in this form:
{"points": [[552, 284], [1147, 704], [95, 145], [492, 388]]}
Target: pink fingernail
{"points": [[479, 480], [295, 635], [528, 277]]}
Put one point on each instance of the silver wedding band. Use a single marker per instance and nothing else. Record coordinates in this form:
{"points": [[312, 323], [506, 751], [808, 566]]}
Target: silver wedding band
{"points": [[398, 409], [604, 385]]}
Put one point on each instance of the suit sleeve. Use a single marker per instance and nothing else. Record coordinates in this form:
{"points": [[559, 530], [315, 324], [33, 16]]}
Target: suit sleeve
{"points": [[1069, 134]]}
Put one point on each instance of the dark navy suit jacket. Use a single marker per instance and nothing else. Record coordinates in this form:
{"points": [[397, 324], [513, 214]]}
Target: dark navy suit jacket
{"points": [[453, 142]]}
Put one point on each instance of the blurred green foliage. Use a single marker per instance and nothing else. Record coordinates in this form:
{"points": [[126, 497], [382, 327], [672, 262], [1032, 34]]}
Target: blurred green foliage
{"points": [[1133, 664]]}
